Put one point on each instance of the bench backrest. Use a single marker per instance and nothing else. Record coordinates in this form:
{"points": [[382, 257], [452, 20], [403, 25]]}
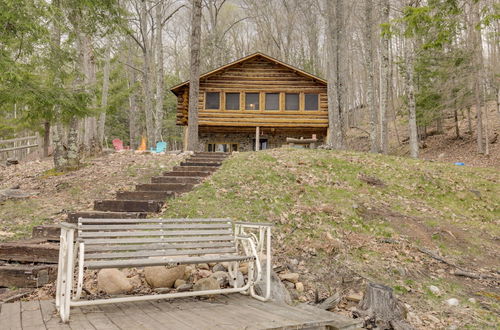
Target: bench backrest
{"points": [[108, 239]]}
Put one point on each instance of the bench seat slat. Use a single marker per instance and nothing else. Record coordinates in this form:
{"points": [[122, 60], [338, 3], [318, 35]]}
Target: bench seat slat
{"points": [[136, 233], [156, 240], [180, 220], [157, 226], [162, 261], [166, 253], [155, 246]]}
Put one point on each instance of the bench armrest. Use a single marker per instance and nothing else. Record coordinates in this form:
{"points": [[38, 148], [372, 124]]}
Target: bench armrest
{"points": [[66, 225]]}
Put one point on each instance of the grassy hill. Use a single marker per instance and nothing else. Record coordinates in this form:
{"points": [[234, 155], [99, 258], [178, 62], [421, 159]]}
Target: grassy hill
{"points": [[345, 218]]}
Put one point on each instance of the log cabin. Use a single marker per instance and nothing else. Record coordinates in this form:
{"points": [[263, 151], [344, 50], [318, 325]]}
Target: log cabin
{"points": [[256, 98]]}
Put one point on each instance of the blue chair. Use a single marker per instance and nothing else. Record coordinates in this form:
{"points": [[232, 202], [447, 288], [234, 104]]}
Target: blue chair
{"points": [[160, 147]]}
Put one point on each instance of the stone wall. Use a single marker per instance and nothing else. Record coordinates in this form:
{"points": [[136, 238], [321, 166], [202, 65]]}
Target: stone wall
{"points": [[245, 140]]}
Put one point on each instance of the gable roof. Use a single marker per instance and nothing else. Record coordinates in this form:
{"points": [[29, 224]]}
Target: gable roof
{"points": [[175, 88]]}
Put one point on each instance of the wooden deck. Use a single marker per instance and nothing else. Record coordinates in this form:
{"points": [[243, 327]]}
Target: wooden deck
{"points": [[222, 312]]}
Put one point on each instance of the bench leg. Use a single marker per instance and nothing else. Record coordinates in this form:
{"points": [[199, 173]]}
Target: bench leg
{"points": [[66, 280], [79, 285], [267, 278]]}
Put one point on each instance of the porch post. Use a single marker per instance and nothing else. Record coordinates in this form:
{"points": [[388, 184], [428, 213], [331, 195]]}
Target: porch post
{"points": [[185, 139], [257, 138]]}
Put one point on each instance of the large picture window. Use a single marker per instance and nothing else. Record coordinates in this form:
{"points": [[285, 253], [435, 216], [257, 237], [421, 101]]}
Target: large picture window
{"points": [[212, 100], [252, 101], [291, 101], [311, 102], [272, 101], [232, 101]]}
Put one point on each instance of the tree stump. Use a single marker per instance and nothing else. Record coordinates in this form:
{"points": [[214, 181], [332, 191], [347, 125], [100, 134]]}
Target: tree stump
{"points": [[380, 308]]}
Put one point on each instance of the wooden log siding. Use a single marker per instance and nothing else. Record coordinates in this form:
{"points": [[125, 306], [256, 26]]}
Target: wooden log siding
{"points": [[257, 74]]}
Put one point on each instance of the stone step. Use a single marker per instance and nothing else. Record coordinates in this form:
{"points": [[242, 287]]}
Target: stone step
{"points": [[176, 179], [73, 216], [127, 205], [174, 187], [200, 163], [27, 276], [30, 251], [188, 173], [195, 168], [48, 232], [144, 195]]}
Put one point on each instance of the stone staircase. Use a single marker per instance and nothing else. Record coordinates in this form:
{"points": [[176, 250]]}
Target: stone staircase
{"points": [[32, 263]]}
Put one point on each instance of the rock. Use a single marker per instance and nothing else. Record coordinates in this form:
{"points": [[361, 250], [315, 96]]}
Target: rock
{"points": [[112, 281], [204, 266], [472, 300], [355, 297], [204, 273], [163, 277], [219, 268], [211, 264], [452, 302], [190, 270], [11, 161], [135, 281], [244, 269], [435, 290], [178, 283], [204, 284], [279, 293], [299, 286], [290, 277], [163, 290], [294, 262], [289, 285], [184, 287], [240, 280], [222, 278]]}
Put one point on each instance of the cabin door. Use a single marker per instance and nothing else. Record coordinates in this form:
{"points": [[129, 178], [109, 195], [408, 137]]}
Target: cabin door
{"points": [[263, 145], [222, 147]]}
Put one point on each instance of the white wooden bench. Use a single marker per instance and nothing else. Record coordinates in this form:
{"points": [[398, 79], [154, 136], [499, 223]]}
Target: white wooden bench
{"points": [[123, 243]]}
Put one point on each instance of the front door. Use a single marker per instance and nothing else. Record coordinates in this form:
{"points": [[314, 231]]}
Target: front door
{"points": [[263, 145], [222, 147]]}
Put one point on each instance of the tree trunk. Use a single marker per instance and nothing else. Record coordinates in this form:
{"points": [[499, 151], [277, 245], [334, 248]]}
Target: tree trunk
{"points": [[104, 96], [133, 112], [370, 95], [88, 65], [478, 56], [46, 138], [194, 76], [385, 82], [410, 92], [159, 72], [457, 128], [382, 309], [336, 74], [72, 152], [146, 75]]}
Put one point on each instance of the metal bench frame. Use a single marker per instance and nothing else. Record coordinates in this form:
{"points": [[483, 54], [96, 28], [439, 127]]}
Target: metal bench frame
{"points": [[254, 239]]}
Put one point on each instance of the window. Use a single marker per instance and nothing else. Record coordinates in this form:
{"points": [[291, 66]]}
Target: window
{"points": [[232, 101], [252, 101], [291, 101], [222, 147], [272, 101], [212, 100], [311, 102]]}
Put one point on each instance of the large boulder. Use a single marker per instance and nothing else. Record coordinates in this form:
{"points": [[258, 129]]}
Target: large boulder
{"points": [[279, 293], [113, 281], [204, 284], [163, 277]]}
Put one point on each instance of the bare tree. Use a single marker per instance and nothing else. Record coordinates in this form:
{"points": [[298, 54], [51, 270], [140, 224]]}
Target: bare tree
{"points": [[104, 96], [194, 76], [385, 82]]}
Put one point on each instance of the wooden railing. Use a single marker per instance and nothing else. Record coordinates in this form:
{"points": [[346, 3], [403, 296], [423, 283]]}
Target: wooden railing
{"points": [[18, 148]]}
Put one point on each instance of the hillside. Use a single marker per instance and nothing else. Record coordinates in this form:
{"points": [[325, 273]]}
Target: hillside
{"points": [[344, 218]]}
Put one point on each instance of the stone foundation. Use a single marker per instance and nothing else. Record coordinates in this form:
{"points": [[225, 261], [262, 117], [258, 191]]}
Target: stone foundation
{"points": [[245, 140]]}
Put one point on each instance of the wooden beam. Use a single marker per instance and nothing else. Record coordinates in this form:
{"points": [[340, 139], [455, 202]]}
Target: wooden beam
{"points": [[257, 138]]}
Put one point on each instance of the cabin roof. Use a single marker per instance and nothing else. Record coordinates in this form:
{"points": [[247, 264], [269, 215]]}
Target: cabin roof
{"points": [[176, 88]]}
